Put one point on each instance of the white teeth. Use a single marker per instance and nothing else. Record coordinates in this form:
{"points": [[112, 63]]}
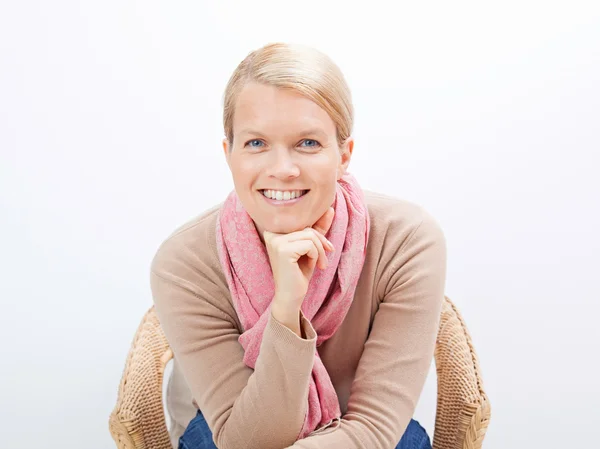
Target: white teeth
{"points": [[283, 195]]}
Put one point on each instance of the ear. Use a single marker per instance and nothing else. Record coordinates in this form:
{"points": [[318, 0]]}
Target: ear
{"points": [[345, 156], [226, 149]]}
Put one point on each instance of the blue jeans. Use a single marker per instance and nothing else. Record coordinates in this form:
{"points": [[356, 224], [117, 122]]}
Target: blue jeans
{"points": [[198, 436]]}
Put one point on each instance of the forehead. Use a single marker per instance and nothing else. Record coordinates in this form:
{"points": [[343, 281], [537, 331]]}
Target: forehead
{"points": [[269, 108]]}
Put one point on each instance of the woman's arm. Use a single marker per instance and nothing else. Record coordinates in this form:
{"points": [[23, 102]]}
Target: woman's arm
{"points": [[262, 408], [398, 353]]}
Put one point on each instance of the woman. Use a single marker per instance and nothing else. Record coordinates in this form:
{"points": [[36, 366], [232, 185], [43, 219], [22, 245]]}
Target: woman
{"points": [[302, 311]]}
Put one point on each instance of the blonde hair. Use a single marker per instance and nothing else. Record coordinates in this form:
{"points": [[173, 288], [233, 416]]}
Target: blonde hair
{"points": [[303, 69]]}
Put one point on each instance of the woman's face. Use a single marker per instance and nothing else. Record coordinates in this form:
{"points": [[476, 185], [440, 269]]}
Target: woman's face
{"points": [[283, 143]]}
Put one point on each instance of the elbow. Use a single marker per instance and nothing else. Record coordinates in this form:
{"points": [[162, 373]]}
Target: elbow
{"points": [[363, 431], [228, 437]]}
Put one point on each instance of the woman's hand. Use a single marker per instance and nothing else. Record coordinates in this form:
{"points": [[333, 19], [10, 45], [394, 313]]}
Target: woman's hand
{"points": [[293, 259]]}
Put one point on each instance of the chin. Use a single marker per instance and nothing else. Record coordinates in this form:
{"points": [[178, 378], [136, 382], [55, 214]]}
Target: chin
{"points": [[284, 228]]}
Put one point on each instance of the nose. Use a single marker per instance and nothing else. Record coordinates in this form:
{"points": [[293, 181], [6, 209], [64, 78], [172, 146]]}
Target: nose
{"points": [[282, 166]]}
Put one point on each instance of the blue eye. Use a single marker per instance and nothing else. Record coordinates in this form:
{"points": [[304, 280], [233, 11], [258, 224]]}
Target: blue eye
{"points": [[255, 143], [310, 143]]}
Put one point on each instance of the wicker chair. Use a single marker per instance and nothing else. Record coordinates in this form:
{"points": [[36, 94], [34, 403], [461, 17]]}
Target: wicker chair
{"points": [[462, 414]]}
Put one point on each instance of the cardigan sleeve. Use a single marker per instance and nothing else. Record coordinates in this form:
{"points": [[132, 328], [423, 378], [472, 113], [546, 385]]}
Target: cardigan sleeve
{"points": [[261, 408], [399, 349]]}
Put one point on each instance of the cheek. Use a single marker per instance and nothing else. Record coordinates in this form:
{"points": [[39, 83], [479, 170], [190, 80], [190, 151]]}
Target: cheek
{"points": [[328, 177], [327, 185], [242, 172], [324, 168]]}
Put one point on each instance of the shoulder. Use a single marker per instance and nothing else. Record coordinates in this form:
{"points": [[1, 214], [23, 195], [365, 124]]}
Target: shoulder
{"points": [[186, 275], [400, 230], [396, 222], [190, 249]]}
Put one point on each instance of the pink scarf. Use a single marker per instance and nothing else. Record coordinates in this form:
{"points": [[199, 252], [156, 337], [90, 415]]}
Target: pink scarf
{"points": [[330, 292]]}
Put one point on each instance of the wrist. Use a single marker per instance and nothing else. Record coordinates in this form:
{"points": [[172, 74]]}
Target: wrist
{"points": [[288, 315]]}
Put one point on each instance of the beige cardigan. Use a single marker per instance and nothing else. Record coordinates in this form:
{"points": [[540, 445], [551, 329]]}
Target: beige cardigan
{"points": [[378, 359]]}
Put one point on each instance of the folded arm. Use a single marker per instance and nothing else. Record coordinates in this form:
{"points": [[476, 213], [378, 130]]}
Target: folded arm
{"points": [[399, 350], [261, 408]]}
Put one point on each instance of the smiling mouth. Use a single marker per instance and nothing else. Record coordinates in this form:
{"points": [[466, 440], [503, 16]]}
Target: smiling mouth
{"points": [[279, 195]]}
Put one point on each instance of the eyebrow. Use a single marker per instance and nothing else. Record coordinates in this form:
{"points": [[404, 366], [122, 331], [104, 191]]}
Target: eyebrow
{"points": [[251, 131], [307, 132], [313, 132]]}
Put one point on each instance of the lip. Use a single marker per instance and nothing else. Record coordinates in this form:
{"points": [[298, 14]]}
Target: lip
{"points": [[283, 203]]}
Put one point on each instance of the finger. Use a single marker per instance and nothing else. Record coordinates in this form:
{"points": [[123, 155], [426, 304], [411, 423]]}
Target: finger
{"points": [[267, 236], [312, 235], [271, 238], [308, 268], [305, 247], [321, 243], [324, 223], [326, 243], [309, 249]]}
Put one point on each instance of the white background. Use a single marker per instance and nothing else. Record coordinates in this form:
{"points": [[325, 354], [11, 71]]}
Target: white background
{"points": [[485, 113]]}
